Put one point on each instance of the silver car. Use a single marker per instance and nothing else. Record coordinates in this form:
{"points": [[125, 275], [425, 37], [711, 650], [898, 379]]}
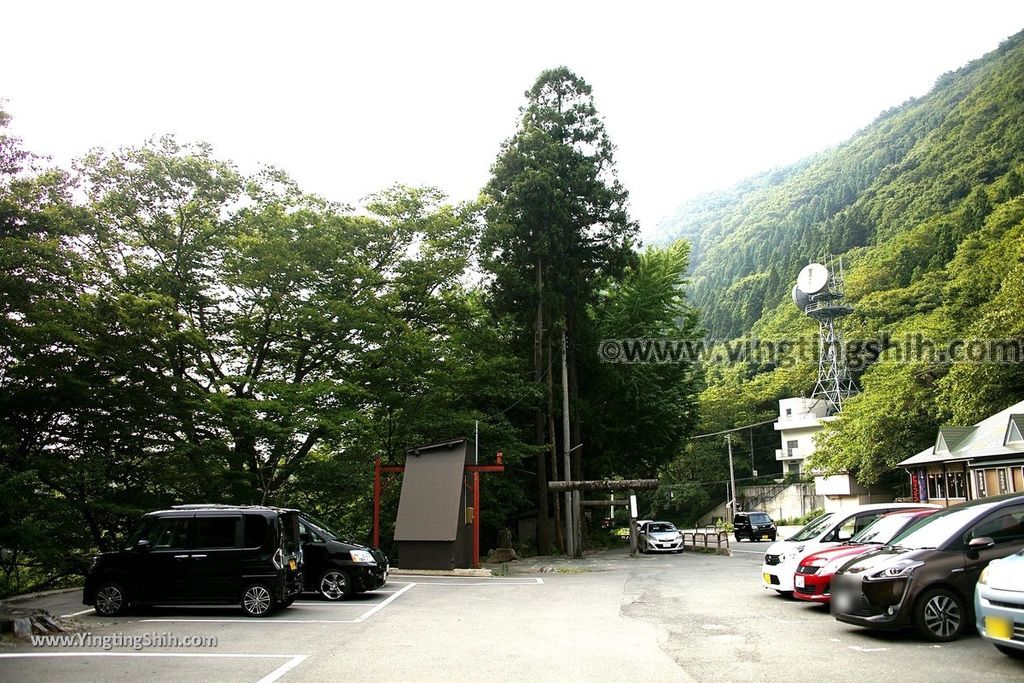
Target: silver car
{"points": [[999, 604], [660, 537]]}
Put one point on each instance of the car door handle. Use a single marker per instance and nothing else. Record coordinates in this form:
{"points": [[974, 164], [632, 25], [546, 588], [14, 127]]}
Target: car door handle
{"points": [[181, 557], [956, 571], [199, 557]]}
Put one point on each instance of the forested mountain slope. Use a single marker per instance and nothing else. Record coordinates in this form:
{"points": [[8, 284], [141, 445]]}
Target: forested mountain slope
{"points": [[926, 206], [923, 176]]}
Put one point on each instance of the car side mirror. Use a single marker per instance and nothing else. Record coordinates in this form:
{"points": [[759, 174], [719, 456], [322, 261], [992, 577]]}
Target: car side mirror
{"points": [[305, 538], [978, 544], [142, 546]]}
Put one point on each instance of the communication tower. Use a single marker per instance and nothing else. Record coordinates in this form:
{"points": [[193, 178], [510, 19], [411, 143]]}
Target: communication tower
{"points": [[819, 294]]}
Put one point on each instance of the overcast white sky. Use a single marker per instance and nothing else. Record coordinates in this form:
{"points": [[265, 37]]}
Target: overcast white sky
{"points": [[352, 97]]}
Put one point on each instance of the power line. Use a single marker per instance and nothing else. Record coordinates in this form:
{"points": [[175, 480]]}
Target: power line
{"points": [[734, 429], [519, 400]]}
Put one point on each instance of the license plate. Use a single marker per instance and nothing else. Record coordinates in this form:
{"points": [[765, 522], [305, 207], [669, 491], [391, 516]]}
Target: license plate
{"points": [[842, 602], [798, 581], [997, 627], [767, 578], [292, 565]]}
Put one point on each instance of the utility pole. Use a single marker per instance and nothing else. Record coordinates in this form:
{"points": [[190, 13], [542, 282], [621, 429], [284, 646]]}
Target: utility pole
{"points": [[732, 481], [570, 536]]}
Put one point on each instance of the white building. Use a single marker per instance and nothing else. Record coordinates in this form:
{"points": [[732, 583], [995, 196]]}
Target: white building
{"points": [[800, 419]]}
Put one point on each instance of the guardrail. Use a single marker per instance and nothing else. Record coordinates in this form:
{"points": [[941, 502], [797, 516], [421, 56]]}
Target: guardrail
{"points": [[718, 540]]}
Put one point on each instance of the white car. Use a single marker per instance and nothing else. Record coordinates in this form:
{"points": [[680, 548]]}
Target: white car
{"points": [[660, 537], [832, 528], [999, 604]]}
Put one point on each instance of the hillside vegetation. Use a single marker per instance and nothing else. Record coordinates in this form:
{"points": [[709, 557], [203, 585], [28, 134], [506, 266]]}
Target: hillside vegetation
{"points": [[925, 205]]}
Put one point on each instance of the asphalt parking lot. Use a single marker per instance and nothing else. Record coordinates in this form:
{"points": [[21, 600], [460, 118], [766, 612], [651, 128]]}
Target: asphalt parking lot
{"points": [[657, 618]]}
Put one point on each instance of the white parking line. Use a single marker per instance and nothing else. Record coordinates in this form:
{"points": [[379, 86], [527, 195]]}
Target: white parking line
{"points": [[492, 582], [382, 605], [283, 669], [362, 617], [76, 614], [376, 607], [293, 660]]}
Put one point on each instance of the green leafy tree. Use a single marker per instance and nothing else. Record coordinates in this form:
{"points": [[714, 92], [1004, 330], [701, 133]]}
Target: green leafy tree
{"points": [[557, 228]]}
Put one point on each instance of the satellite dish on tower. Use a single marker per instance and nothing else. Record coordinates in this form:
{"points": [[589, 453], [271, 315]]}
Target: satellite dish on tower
{"points": [[800, 297], [813, 278]]}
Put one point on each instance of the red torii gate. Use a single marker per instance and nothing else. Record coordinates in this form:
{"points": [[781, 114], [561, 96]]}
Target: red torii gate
{"points": [[378, 489]]}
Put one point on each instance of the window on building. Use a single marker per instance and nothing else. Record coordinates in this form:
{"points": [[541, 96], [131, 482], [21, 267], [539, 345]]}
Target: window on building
{"points": [[956, 484], [791, 447], [936, 485], [789, 412]]}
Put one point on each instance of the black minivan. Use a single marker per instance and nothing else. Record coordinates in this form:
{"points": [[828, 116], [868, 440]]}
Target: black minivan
{"points": [[202, 555], [754, 525]]}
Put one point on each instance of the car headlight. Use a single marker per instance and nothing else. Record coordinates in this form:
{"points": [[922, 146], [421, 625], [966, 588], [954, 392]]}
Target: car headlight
{"points": [[901, 569], [817, 563], [362, 556], [791, 554], [983, 579]]}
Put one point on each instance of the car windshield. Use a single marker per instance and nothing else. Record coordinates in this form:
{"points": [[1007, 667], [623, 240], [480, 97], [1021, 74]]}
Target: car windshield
{"points": [[320, 527], [760, 519], [661, 526], [140, 531], [813, 529], [935, 530], [883, 529]]}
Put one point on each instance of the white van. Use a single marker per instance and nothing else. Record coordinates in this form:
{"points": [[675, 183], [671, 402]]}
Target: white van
{"points": [[832, 528]]}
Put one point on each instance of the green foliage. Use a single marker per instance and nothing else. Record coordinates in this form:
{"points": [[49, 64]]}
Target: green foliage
{"points": [[925, 206], [176, 331], [926, 173], [654, 405], [557, 246], [892, 419]]}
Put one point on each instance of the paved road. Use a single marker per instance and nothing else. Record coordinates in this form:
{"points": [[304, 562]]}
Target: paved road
{"points": [[687, 617]]}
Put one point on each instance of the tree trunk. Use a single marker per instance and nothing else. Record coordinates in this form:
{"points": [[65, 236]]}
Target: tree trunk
{"points": [[543, 531], [559, 536], [574, 396]]}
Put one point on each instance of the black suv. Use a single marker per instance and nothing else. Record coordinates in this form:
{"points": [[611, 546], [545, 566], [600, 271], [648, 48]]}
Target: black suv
{"points": [[202, 554], [336, 567], [754, 526]]}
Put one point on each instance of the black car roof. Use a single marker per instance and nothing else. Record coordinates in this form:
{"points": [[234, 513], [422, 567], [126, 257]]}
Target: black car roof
{"points": [[220, 507]]}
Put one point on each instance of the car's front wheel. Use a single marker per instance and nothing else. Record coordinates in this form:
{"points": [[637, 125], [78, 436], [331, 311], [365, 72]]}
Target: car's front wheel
{"points": [[335, 585], [111, 600], [939, 615], [258, 600]]}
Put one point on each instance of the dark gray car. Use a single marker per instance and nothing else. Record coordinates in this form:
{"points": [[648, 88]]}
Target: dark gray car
{"points": [[925, 577]]}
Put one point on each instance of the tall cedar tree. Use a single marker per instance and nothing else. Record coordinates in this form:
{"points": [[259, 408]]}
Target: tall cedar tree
{"points": [[557, 228]]}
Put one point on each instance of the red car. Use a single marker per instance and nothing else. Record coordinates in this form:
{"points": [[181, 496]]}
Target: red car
{"points": [[814, 573]]}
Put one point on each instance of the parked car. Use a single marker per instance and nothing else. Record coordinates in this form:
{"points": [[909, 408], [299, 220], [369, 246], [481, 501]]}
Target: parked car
{"points": [[999, 604], [813, 576], [202, 554], [660, 537], [926, 576], [832, 528], [754, 525], [335, 567]]}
